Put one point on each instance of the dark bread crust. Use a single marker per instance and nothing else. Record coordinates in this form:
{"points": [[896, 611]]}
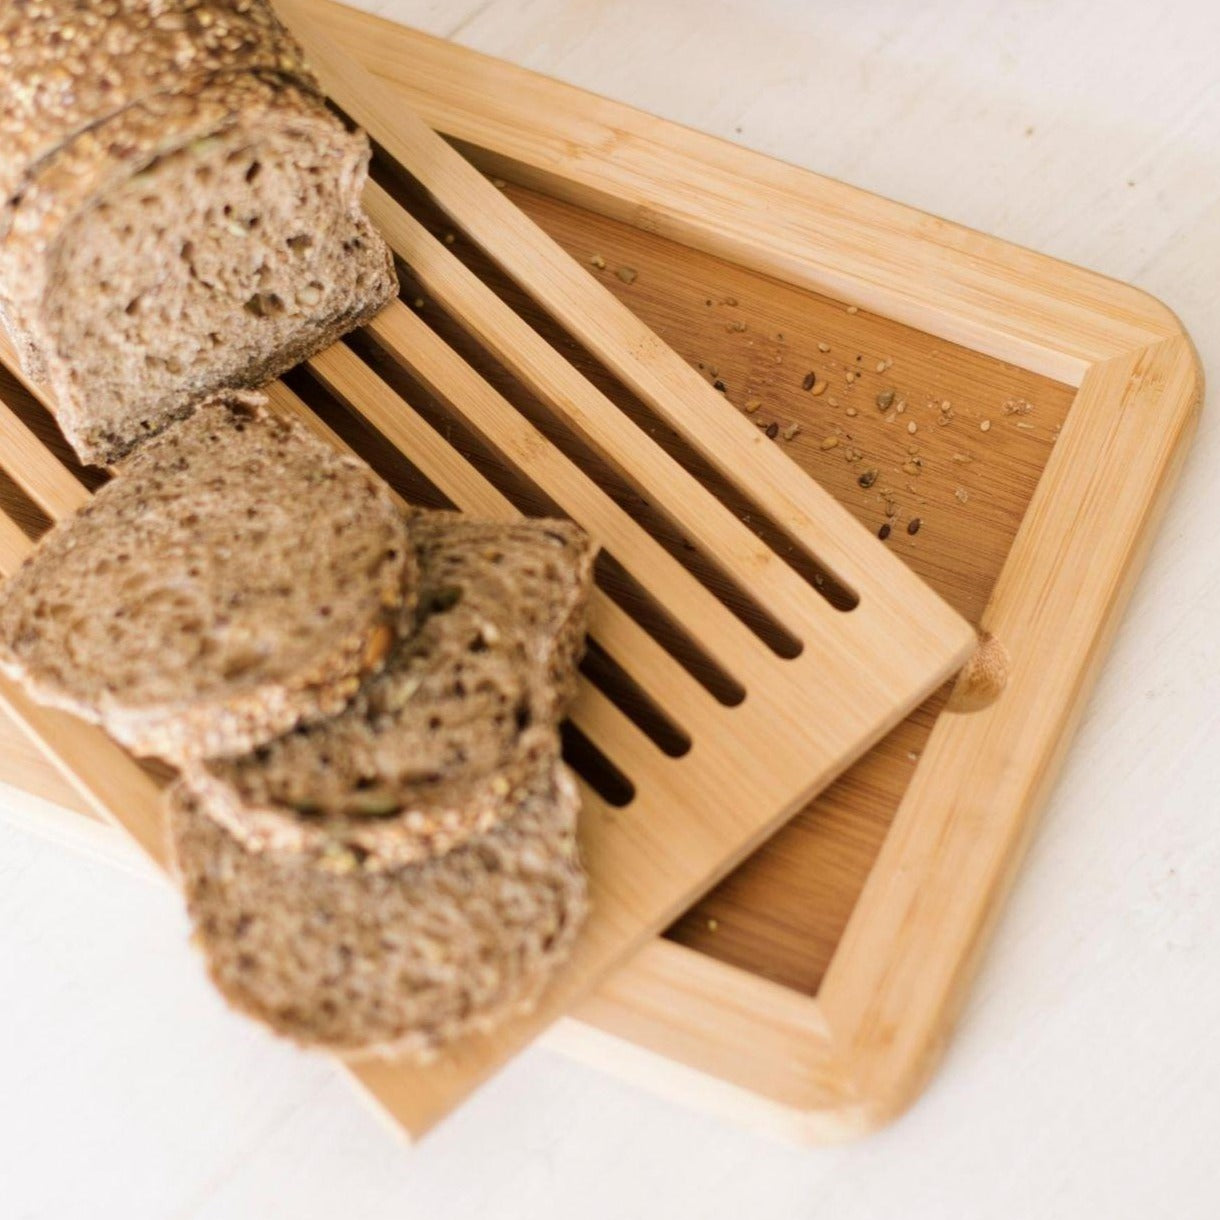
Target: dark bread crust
{"points": [[172, 609]]}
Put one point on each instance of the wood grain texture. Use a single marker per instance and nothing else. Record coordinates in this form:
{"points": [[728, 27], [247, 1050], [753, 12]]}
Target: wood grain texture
{"points": [[802, 228], [694, 1016]]}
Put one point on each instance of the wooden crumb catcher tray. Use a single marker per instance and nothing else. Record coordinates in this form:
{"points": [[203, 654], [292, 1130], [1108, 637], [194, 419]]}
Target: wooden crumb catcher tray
{"points": [[1009, 424]]}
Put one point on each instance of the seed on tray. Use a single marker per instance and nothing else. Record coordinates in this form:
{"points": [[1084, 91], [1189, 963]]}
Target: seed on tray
{"points": [[790, 431], [600, 264], [985, 425], [807, 382], [829, 442], [627, 274], [914, 524], [868, 478], [752, 405], [772, 430], [885, 399], [823, 347], [884, 532]]}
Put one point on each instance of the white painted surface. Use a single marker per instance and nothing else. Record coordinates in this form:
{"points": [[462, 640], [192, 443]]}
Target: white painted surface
{"points": [[1085, 1078]]}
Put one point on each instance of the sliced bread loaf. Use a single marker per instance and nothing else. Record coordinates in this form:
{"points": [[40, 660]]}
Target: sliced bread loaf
{"points": [[236, 577], [436, 746], [402, 960], [192, 242]]}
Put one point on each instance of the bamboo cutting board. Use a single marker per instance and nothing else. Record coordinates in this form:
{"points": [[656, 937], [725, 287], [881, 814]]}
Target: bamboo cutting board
{"points": [[814, 985]]}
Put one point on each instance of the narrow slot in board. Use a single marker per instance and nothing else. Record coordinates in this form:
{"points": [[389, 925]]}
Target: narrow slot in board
{"points": [[600, 668], [737, 498], [607, 675], [441, 412]]}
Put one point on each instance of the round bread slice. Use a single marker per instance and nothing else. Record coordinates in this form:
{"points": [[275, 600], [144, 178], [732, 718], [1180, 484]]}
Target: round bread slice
{"points": [[399, 961], [221, 237], [437, 745], [235, 577]]}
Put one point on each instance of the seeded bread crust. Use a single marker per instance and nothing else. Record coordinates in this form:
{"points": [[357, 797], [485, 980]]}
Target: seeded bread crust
{"points": [[398, 962], [436, 747], [236, 577], [133, 206], [69, 64]]}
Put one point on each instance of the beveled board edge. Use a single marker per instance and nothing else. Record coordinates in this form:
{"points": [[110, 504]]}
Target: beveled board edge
{"points": [[870, 1038]]}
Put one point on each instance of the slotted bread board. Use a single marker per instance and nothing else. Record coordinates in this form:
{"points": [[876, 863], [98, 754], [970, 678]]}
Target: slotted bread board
{"points": [[839, 658], [759, 1001]]}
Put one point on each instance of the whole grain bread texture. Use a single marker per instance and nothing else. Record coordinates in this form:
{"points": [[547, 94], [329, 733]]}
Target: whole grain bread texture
{"points": [[236, 577], [437, 745], [401, 961], [70, 64], [201, 237]]}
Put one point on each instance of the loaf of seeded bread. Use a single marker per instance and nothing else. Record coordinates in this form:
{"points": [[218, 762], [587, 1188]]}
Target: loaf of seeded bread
{"points": [[438, 744], [402, 960], [181, 232], [236, 577]]}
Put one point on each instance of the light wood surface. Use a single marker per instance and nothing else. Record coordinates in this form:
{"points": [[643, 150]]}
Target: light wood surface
{"points": [[686, 1013]]}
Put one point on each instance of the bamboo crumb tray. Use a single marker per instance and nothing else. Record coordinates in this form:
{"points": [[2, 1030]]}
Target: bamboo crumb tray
{"points": [[811, 990]]}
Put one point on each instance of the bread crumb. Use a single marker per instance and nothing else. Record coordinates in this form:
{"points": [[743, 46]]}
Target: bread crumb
{"points": [[985, 425], [961, 495], [853, 309], [752, 405], [823, 347], [627, 274], [790, 431], [598, 262]]}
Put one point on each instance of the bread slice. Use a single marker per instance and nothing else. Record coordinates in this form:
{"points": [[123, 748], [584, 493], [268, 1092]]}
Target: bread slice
{"points": [[68, 65], [236, 577], [191, 243], [436, 746], [404, 960]]}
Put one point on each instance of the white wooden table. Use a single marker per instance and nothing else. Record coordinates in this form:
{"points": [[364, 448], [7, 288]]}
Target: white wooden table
{"points": [[1085, 1079]]}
